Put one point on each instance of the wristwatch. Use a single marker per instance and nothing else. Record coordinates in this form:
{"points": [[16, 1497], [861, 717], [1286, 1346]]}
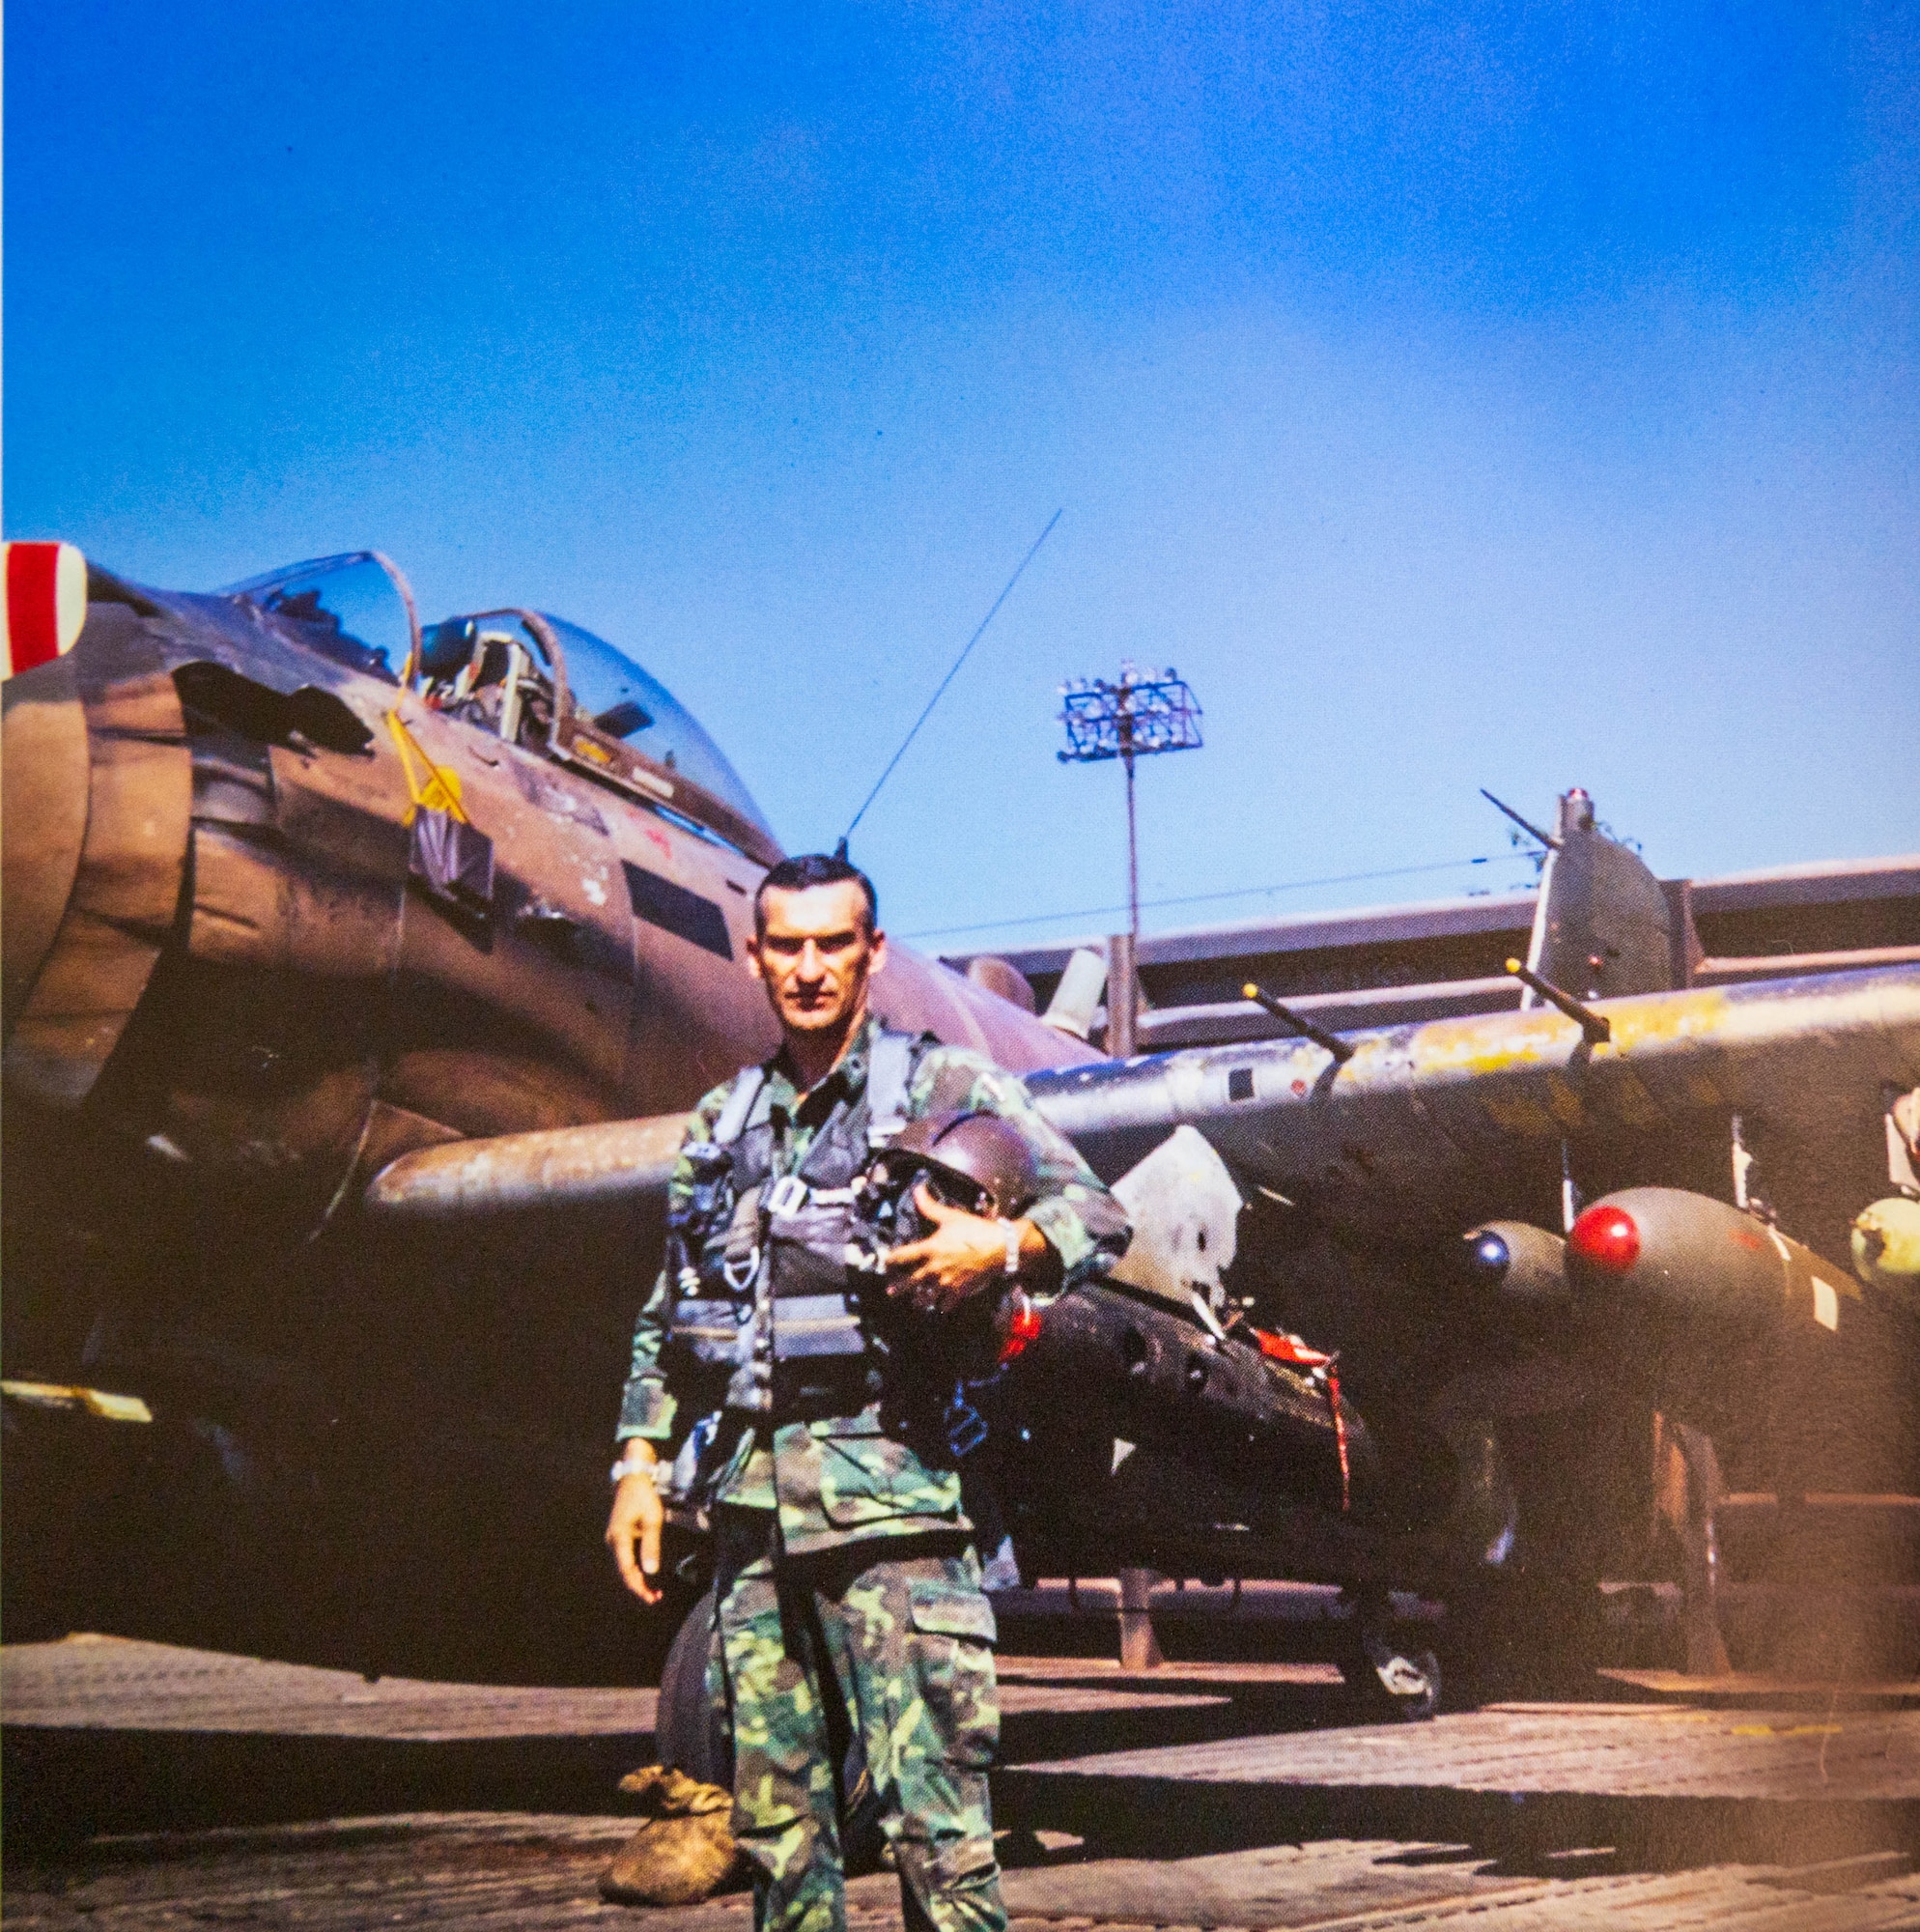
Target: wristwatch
{"points": [[623, 1468]]}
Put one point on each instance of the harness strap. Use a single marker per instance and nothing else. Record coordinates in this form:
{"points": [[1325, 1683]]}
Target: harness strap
{"points": [[887, 1079], [745, 1089]]}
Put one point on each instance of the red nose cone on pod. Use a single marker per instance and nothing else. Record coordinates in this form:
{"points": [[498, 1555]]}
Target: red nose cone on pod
{"points": [[1606, 1238]]}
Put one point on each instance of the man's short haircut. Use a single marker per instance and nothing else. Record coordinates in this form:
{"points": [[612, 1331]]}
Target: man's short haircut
{"points": [[814, 869]]}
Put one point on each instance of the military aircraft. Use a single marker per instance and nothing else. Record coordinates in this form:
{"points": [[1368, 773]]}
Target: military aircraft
{"points": [[292, 889], [358, 976]]}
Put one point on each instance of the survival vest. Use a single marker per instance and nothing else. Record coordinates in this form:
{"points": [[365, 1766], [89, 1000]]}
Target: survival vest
{"points": [[774, 1277]]}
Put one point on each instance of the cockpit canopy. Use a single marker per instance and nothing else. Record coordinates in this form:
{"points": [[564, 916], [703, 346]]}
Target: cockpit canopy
{"points": [[541, 681], [355, 609], [607, 689]]}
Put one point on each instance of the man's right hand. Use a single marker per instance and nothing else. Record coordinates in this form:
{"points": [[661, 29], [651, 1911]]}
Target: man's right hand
{"points": [[637, 1516]]}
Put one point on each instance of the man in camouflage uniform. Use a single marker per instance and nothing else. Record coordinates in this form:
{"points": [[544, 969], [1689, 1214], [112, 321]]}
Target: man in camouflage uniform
{"points": [[848, 1592]]}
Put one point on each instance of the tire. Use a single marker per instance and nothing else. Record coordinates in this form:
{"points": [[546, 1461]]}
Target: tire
{"points": [[1390, 1684], [689, 1732], [1388, 1680]]}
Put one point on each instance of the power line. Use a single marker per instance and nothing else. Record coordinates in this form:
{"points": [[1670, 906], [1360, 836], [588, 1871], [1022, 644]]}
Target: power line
{"points": [[1202, 899]]}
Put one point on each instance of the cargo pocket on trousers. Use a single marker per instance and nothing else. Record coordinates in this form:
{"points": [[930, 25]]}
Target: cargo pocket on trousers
{"points": [[954, 1633]]}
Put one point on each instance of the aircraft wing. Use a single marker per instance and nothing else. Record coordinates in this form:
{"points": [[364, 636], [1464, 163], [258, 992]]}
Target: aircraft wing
{"points": [[1423, 1129], [1427, 1127]]}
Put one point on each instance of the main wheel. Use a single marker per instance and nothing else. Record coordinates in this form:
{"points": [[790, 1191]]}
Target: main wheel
{"points": [[1387, 1680], [691, 1731], [1394, 1684]]}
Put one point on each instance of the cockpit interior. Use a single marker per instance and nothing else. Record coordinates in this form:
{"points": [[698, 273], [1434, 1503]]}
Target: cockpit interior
{"points": [[537, 681]]}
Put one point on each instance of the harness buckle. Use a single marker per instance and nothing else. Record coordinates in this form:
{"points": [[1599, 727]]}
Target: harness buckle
{"points": [[787, 1196], [966, 1427], [738, 1271]]}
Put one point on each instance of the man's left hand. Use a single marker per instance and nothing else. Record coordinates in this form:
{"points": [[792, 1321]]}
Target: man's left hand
{"points": [[964, 1254]]}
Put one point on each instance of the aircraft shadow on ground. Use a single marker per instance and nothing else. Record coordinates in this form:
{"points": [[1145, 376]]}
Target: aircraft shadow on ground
{"points": [[1545, 1835], [61, 1786]]}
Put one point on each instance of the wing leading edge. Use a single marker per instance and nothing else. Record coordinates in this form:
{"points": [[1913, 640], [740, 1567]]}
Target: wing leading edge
{"points": [[1420, 1122]]}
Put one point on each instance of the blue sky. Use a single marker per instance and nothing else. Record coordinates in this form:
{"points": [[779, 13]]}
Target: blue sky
{"points": [[1503, 395]]}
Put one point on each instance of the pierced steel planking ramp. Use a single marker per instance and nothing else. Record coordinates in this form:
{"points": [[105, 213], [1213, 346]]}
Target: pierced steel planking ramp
{"points": [[1600, 1750]]}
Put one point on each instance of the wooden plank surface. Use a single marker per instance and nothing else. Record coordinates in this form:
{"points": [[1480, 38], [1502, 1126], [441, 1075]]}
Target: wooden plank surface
{"points": [[486, 1871], [1062, 1670], [1242, 1804], [1600, 1749], [1755, 1687], [120, 1683]]}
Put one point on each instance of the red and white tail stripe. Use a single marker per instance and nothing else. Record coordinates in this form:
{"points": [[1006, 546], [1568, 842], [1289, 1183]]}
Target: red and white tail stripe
{"points": [[42, 602]]}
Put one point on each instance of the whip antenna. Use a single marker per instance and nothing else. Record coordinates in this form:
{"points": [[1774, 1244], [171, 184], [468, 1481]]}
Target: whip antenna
{"points": [[840, 851]]}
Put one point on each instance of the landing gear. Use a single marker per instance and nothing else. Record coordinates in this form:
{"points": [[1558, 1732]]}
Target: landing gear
{"points": [[1391, 1676], [689, 1730]]}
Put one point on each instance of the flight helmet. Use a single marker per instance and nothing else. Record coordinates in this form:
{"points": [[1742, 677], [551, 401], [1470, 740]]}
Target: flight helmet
{"points": [[974, 1161]]}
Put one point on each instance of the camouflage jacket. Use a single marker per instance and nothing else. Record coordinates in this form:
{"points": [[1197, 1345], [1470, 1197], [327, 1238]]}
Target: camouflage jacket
{"points": [[844, 1479]]}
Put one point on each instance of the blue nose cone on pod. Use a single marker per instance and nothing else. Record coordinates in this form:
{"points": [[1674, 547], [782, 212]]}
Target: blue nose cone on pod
{"points": [[1514, 1267], [1488, 1255]]}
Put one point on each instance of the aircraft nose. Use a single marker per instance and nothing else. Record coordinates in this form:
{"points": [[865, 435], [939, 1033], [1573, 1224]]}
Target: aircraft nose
{"points": [[96, 804], [42, 820]]}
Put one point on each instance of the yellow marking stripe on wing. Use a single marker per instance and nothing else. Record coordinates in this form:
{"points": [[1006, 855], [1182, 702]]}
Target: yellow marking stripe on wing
{"points": [[1494, 1043]]}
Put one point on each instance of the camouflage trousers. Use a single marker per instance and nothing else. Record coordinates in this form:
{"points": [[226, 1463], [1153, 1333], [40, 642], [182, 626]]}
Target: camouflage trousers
{"points": [[888, 1642]]}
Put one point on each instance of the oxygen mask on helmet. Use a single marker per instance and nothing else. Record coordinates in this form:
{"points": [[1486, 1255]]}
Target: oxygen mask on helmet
{"points": [[977, 1162], [982, 1165]]}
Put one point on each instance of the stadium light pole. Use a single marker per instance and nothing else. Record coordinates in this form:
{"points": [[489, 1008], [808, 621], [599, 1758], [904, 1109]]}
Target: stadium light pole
{"points": [[1136, 716]]}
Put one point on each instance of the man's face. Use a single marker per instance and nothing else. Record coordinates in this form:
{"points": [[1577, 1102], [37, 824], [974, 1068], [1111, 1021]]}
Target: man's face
{"points": [[814, 955]]}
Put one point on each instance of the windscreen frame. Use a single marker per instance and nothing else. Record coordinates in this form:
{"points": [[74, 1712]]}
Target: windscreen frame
{"points": [[573, 739], [343, 560]]}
